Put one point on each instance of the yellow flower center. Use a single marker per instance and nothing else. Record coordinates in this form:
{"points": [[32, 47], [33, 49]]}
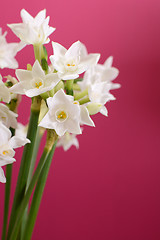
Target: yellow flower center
{"points": [[38, 84], [71, 65], [5, 152], [62, 115]]}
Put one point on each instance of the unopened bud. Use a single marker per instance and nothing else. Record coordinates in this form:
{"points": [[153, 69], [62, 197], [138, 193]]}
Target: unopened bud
{"points": [[44, 64], [59, 86], [29, 67], [43, 110], [94, 108]]}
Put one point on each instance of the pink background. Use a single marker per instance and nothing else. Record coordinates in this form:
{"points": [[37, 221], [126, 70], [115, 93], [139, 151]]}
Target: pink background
{"points": [[109, 188]]}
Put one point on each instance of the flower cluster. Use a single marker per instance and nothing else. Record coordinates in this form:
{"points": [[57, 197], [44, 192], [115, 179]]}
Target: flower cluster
{"points": [[67, 100]]}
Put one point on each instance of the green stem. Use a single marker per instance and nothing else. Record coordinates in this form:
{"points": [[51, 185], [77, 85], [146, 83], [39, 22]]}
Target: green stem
{"points": [[26, 161], [84, 100], [7, 198], [37, 52], [17, 222], [81, 94], [76, 87], [37, 197], [34, 156], [7, 195], [69, 87]]}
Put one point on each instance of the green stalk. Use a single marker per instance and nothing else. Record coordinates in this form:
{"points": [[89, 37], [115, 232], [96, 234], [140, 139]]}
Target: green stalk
{"points": [[37, 52], [69, 87], [34, 156], [37, 197], [76, 87], [7, 198], [46, 152], [84, 100], [81, 94], [26, 161], [7, 195]]}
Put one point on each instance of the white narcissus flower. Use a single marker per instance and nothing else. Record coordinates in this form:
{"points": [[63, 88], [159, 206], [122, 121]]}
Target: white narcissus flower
{"points": [[99, 93], [7, 117], [101, 73], [65, 115], [72, 62], [5, 95], [7, 145], [68, 140], [35, 82], [8, 52], [33, 30]]}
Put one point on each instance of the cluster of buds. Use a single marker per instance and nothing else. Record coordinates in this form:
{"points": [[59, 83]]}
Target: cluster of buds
{"points": [[67, 99]]}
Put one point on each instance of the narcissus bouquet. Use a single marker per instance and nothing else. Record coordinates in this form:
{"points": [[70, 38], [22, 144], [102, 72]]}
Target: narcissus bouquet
{"points": [[65, 90]]}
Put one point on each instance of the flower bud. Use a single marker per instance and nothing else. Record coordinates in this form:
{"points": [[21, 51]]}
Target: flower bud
{"points": [[94, 108], [59, 86]]}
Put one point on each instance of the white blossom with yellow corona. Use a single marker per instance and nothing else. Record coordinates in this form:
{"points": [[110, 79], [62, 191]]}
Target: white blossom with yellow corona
{"points": [[33, 30], [7, 146], [72, 62], [65, 115], [35, 82]]}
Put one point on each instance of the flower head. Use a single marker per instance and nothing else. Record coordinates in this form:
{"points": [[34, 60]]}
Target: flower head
{"points": [[68, 140], [101, 73], [8, 52], [7, 146], [72, 62], [35, 82], [5, 95], [33, 30], [65, 115], [7, 117]]}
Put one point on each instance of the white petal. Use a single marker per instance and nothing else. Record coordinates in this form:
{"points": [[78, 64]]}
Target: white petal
{"points": [[74, 50], [6, 160], [115, 86], [52, 79], [23, 75], [47, 122], [73, 127], [5, 133], [58, 49], [104, 111], [37, 70], [88, 62], [68, 76], [110, 74], [18, 141], [17, 88], [26, 17], [85, 118], [2, 176], [108, 62], [40, 17]]}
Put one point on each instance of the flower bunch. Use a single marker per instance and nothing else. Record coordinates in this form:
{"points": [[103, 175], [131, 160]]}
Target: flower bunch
{"points": [[62, 102]]}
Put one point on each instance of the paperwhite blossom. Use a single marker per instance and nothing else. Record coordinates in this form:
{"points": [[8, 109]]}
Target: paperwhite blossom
{"points": [[7, 145], [101, 73], [7, 117], [68, 140], [33, 30], [65, 115], [8, 52], [5, 95], [99, 93], [35, 82], [72, 62]]}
